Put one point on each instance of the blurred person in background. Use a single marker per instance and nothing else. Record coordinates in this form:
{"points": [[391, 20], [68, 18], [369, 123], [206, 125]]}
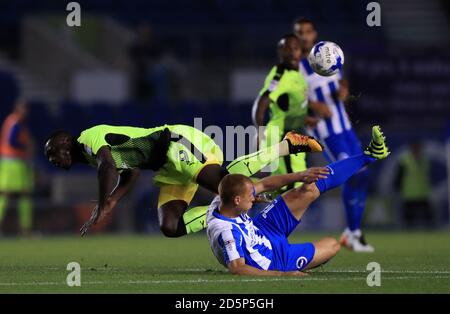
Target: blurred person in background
{"points": [[413, 181], [16, 175], [326, 98], [285, 95]]}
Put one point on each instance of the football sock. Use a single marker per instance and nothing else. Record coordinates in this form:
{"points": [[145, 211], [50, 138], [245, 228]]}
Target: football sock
{"points": [[250, 164], [354, 195], [3, 203], [25, 213], [195, 219], [342, 170]]}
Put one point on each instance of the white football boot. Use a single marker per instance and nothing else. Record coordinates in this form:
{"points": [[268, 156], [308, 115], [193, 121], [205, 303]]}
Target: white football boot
{"points": [[355, 241]]}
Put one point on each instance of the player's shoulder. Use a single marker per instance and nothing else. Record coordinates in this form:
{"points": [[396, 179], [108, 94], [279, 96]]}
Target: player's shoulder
{"points": [[95, 135], [215, 221], [277, 72], [96, 128]]}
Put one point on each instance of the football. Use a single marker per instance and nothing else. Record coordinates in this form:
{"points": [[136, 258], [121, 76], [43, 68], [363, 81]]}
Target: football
{"points": [[326, 58]]}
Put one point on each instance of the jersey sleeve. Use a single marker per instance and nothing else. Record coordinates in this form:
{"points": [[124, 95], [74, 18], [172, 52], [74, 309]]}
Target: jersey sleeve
{"points": [[270, 83], [93, 139], [278, 88], [231, 243]]}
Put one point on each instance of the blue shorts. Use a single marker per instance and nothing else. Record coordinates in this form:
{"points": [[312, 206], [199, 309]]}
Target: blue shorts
{"points": [[276, 222], [342, 146]]}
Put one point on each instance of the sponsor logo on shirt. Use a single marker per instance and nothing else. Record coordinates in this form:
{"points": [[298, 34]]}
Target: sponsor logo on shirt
{"points": [[301, 262], [185, 157]]}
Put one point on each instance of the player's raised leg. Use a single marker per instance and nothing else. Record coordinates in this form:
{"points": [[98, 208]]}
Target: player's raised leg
{"points": [[174, 216], [292, 143], [300, 198], [211, 175]]}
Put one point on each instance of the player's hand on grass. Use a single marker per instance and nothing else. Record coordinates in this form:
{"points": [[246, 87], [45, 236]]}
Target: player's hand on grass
{"points": [[98, 215], [92, 220], [313, 174]]}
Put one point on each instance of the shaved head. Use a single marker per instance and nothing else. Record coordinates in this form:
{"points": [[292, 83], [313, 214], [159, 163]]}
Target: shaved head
{"points": [[59, 147], [233, 185]]}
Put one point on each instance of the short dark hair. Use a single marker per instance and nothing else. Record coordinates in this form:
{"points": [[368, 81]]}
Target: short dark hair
{"points": [[284, 38], [303, 20], [55, 134], [231, 186]]}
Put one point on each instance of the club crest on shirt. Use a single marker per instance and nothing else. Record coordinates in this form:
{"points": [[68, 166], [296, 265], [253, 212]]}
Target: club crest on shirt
{"points": [[185, 157]]}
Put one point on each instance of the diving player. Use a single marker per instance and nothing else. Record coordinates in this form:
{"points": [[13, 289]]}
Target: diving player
{"points": [[182, 157]]}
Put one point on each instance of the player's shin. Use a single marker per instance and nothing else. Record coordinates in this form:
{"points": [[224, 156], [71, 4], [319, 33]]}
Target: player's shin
{"points": [[3, 204], [195, 219], [342, 170], [250, 164]]}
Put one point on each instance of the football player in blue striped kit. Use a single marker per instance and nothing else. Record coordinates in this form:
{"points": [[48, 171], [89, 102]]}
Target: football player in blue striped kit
{"points": [[259, 246], [326, 98]]}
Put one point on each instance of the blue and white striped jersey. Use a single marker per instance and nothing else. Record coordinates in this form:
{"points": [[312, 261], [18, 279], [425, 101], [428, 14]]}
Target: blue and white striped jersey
{"points": [[324, 89], [233, 238]]}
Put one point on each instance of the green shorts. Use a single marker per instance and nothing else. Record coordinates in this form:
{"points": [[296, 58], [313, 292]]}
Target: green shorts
{"points": [[15, 176], [188, 154]]}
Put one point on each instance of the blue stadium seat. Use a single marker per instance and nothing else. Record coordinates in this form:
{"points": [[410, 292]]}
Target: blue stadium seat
{"points": [[100, 113]]}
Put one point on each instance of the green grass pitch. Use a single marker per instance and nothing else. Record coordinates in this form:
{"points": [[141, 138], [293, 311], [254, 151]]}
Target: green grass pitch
{"points": [[410, 263]]}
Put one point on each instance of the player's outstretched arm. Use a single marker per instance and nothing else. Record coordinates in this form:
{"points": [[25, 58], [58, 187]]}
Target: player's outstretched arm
{"points": [[107, 178], [127, 179], [272, 183], [238, 267]]}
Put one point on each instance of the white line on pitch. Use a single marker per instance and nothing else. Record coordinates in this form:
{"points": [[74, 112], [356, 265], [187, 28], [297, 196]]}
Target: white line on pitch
{"points": [[144, 282]]}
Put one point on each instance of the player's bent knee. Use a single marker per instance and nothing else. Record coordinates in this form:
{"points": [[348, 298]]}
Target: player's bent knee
{"points": [[170, 229], [306, 192], [170, 217], [170, 225], [333, 246]]}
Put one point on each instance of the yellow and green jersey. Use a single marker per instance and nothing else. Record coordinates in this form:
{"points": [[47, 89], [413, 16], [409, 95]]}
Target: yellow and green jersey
{"points": [[287, 90], [416, 183], [130, 147]]}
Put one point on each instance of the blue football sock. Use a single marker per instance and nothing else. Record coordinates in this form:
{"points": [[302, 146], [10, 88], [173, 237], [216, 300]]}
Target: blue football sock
{"points": [[354, 194], [342, 170]]}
